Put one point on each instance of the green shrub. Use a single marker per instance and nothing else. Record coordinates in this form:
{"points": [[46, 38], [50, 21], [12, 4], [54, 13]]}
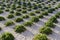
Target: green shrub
{"points": [[0, 28], [2, 18], [45, 30], [57, 15], [7, 9], [45, 7], [35, 6], [37, 11], [30, 6], [25, 16], [49, 24], [20, 29], [18, 19], [18, 6], [13, 6], [7, 36], [34, 19], [11, 11], [40, 16], [53, 19], [29, 3], [28, 23], [51, 10], [18, 10], [45, 13], [40, 37], [43, 3], [42, 9], [1, 11], [24, 4], [10, 16], [24, 11], [2, 7], [57, 0], [32, 14], [17, 14], [9, 23], [24, 8], [29, 9], [53, 3], [8, 5], [56, 7], [39, 5], [59, 5]]}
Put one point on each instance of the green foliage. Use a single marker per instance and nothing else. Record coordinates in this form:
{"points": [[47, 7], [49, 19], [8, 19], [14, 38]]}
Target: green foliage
{"points": [[34, 19], [24, 11], [18, 10], [56, 7], [45, 13], [32, 14], [7, 36], [35, 6], [53, 19], [1, 11], [25, 16], [51, 10], [18, 6], [0, 28], [57, 15], [2, 7], [7, 9], [17, 14], [39, 5], [42, 9], [20, 29], [40, 37], [49, 24], [13, 6], [29, 9], [10, 16], [28, 23], [57, 0], [59, 5], [9, 23], [24, 8], [45, 30], [18, 19], [2, 18], [37, 11], [46, 7], [40, 16], [11, 11]]}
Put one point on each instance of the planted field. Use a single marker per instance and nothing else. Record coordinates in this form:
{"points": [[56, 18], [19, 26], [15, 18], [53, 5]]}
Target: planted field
{"points": [[29, 19]]}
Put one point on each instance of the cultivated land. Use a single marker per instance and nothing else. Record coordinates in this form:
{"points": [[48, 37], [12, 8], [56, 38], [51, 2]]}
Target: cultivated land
{"points": [[30, 20]]}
